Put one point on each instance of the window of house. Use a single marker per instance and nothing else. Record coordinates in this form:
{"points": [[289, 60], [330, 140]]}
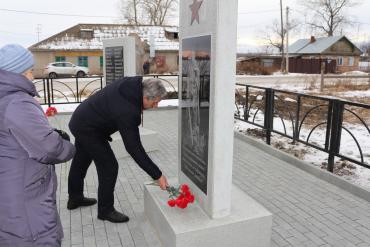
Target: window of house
{"points": [[87, 33], [172, 35], [267, 63], [101, 62], [83, 61], [60, 59], [351, 61], [340, 61]]}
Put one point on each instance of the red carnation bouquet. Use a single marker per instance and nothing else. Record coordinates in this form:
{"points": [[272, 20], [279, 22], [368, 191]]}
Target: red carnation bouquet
{"points": [[51, 111], [180, 196]]}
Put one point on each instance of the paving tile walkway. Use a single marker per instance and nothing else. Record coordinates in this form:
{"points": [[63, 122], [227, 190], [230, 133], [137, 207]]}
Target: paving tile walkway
{"points": [[306, 211]]}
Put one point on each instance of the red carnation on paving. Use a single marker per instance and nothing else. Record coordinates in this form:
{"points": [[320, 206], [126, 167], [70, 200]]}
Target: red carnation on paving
{"points": [[172, 203], [51, 111], [180, 196]]}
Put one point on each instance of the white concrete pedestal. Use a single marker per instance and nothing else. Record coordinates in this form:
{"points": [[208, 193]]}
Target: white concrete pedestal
{"points": [[149, 139], [248, 225]]}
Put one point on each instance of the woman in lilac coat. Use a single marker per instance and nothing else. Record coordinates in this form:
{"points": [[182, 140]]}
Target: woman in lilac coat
{"points": [[29, 148]]}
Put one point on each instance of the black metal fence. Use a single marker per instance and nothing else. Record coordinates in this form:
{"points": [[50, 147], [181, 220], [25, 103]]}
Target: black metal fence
{"points": [[72, 90], [299, 117], [67, 90]]}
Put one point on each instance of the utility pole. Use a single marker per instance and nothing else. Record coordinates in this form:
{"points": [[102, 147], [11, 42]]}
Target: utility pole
{"points": [[282, 36], [38, 31], [287, 26], [135, 12]]}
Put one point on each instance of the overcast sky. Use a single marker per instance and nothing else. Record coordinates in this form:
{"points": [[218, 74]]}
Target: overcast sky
{"points": [[16, 26]]}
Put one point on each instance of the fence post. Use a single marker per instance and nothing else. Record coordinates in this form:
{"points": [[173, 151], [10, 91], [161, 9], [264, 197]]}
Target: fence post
{"points": [[269, 116], [328, 125], [336, 132], [296, 126], [246, 111], [44, 81], [52, 90], [48, 91], [322, 76], [78, 98]]}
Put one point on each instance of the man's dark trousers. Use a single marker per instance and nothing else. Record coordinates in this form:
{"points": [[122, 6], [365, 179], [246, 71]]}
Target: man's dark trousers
{"points": [[94, 148]]}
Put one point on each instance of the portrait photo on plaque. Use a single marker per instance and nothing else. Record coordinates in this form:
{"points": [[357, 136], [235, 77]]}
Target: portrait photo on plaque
{"points": [[194, 107]]}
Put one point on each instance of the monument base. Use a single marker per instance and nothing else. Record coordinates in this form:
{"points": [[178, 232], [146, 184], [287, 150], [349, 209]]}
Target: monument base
{"points": [[149, 139], [248, 225]]}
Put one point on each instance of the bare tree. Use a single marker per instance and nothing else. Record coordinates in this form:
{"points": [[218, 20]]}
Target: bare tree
{"points": [[153, 12], [273, 34], [158, 10], [328, 16], [130, 10]]}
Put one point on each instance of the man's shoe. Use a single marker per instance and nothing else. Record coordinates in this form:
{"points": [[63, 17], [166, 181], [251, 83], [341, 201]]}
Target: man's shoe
{"points": [[114, 216], [73, 204]]}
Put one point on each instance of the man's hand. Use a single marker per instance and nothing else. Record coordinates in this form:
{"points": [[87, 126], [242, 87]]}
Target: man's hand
{"points": [[162, 181]]}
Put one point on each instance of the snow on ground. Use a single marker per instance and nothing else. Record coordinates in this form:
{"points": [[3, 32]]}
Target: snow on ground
{"points": [[68, 108], [62, 108], [355, 72], [359, 94]]}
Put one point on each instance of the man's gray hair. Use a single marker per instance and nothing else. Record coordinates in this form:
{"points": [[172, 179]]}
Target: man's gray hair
{"points": [[153, 88]]}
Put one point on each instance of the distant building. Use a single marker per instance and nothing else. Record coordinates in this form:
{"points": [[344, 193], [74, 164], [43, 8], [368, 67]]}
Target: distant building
{"points": [[82, 45], [339, 53], [258, 64]]}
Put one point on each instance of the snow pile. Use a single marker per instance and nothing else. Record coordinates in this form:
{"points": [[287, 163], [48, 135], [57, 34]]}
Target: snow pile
{"points": [[355, 72]]}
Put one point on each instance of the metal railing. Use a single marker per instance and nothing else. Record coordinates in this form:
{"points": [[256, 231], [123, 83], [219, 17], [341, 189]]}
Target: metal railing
{"points": [[72, 90], [298, 117]]}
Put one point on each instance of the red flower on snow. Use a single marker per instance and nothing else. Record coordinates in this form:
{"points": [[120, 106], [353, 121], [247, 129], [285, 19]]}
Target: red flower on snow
{"points": [[51, 111], [180, 196]]}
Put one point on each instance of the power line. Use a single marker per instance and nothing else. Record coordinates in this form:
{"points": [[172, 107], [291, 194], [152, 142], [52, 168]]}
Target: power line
{"points": [[105, 16], [56, 14], [362, 23], [70, 15], [28, 34], [251, 26], [258, 12], [38, 31], [299, 11]]}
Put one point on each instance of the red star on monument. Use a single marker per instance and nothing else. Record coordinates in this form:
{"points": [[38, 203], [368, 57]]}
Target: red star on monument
{"points": [[195, 10]]}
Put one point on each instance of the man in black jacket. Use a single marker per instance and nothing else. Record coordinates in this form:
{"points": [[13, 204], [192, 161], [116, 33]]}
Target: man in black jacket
{"points": [[117, 107]]}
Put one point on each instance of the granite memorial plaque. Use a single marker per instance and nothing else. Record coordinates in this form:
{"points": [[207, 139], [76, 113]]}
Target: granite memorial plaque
{"points": [[195, 102], [114, 63]]}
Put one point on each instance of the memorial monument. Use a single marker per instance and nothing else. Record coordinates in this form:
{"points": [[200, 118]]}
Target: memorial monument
{"points": [[223, 215], [122, 57]]}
